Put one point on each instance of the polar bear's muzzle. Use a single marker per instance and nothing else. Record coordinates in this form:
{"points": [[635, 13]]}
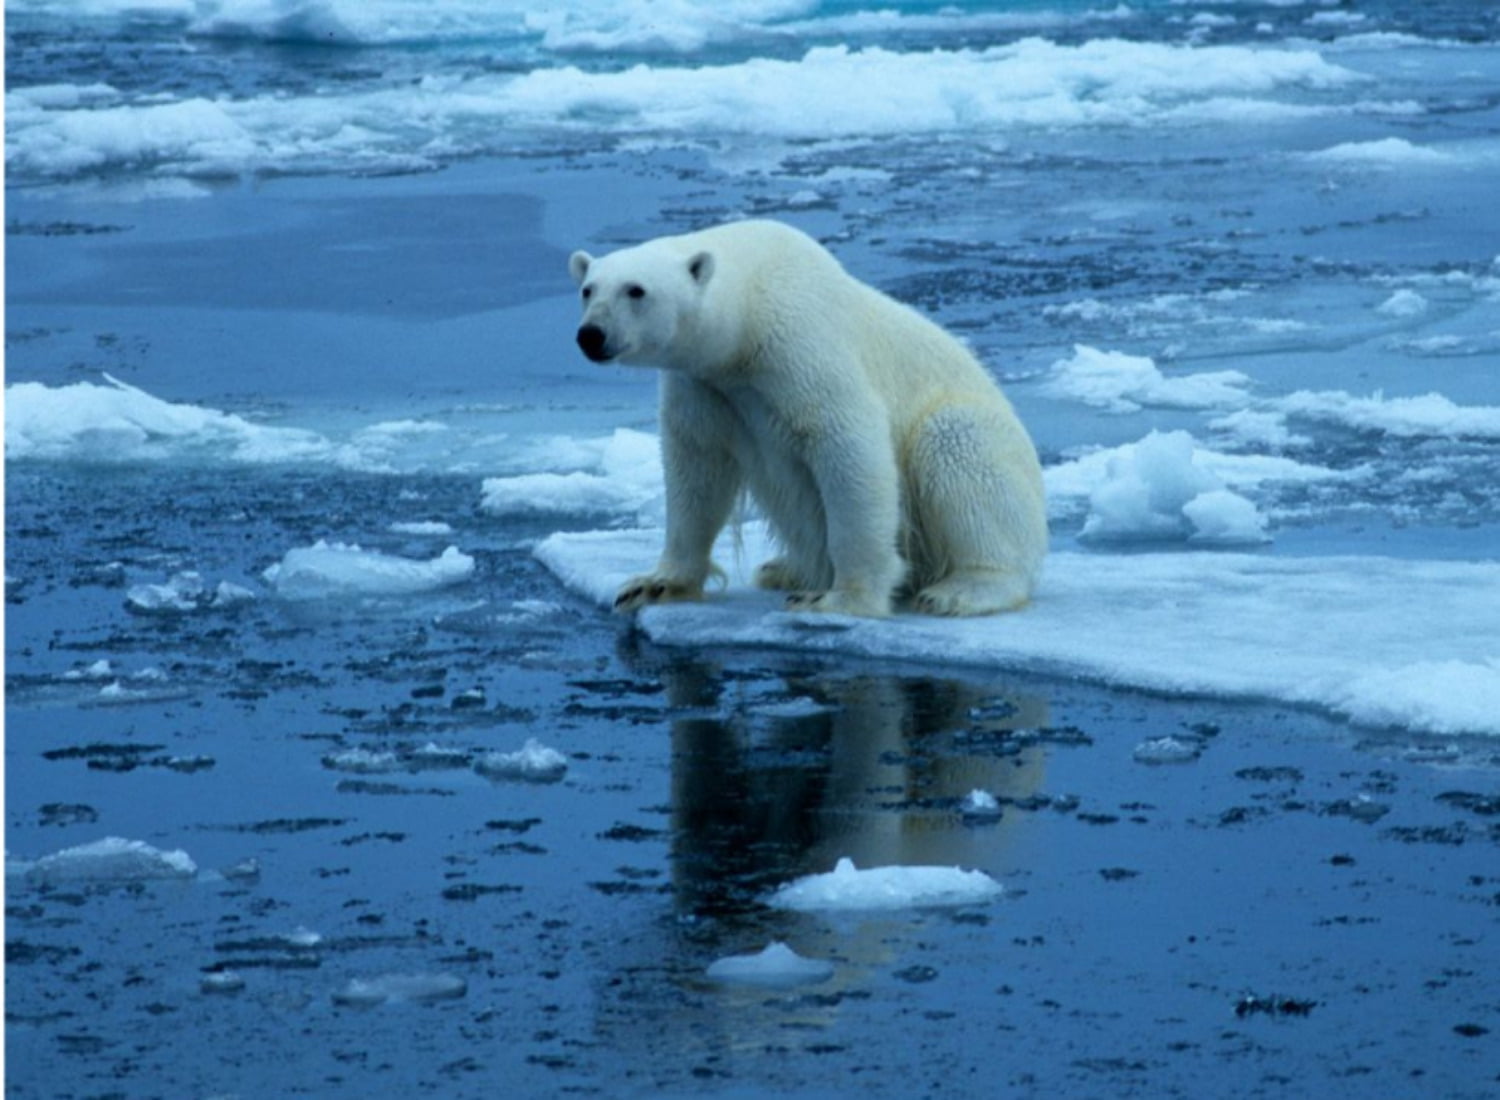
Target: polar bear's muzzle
{"points": [[594, 340]]}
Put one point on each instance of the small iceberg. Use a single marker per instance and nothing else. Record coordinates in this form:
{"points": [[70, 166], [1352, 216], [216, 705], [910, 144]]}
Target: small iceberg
{"points": [[847, 888], [777, 967]]}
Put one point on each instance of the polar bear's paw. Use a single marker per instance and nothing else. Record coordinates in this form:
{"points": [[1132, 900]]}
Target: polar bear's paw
{"points": [[778, 575], [973, 592], [650, 588], [838, 602]]}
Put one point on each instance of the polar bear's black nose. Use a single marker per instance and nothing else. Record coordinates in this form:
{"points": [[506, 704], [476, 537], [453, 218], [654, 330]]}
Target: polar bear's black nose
{"points": [[591, 339]]}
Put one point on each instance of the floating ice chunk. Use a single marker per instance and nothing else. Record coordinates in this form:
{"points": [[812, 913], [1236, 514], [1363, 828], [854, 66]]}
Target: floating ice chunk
{"points": [[1389, 152], [101, 669], [111, 860], [330, 570], [392, 988], [533, 763], [980, 806], [1167, 750], [221, 981], [1403, 303], [1125, 383], [183, 592], [303, 938], [847, 888], [1430, 414], [777, 967], [423, 527], [1155, 490], [434, 756], [362, 761]]}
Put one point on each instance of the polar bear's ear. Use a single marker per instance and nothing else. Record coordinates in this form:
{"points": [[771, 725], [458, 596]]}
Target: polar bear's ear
{"points": [[701, 268], [578, 266]]}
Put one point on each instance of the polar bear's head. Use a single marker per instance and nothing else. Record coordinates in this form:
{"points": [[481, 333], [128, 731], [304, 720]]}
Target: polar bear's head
{"points": [[635, 301]]}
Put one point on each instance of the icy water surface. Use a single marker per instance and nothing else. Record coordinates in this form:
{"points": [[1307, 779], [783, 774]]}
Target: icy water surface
{"points": [[327, 774]]}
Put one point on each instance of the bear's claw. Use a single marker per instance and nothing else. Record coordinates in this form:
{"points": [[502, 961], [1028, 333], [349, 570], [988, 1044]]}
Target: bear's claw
{"points": [[643, 591]]}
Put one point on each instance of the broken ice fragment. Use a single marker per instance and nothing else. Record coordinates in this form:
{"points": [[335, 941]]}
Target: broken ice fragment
{"points": [[777, 967], [110, 860], [533, 762], [847, 888], [1167, 750]]}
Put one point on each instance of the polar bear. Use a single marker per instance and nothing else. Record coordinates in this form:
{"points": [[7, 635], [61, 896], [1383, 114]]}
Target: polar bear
{"points": [[886, 460]]}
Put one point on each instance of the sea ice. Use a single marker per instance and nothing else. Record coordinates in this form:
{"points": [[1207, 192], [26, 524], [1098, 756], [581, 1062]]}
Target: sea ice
{"points": [[1167, 750], [533, 763], [221, 981], [625, 478], [1157, 491], [111, 860], [362, 761], [1403, 303], [328, 570], [1390, 642], [118, 423], [1125, 383], [421, 527], [848, 888], [777, 967], [980, 805]]}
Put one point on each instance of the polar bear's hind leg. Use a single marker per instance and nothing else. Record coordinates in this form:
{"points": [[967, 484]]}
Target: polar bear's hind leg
{"points": [[979, 522]]}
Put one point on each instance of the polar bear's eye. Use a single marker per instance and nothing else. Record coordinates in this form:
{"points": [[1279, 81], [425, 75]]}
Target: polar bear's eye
{"points": [[588, 292], [636, 291]]}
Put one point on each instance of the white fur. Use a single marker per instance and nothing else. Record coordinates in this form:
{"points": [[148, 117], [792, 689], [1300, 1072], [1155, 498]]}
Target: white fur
{"points": [[885, 458]]}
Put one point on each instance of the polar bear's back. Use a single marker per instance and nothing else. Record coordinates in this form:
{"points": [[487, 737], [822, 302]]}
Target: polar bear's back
{"points": [[788, 282]]}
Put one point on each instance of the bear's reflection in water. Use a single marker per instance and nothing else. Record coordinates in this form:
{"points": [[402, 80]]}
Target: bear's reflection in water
{"points": [[780, 769], [783, 770]]}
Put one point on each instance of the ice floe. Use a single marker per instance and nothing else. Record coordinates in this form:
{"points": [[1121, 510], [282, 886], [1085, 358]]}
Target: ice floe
{"points": [[1384, 641], [848, 888]]}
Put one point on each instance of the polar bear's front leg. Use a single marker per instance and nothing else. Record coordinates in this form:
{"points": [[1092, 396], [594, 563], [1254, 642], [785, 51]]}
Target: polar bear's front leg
{"points": [[854, 468], [702, 480]]}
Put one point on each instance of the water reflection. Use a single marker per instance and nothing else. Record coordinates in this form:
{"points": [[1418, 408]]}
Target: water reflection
{"points": [[783, 771], [779, 770]]}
